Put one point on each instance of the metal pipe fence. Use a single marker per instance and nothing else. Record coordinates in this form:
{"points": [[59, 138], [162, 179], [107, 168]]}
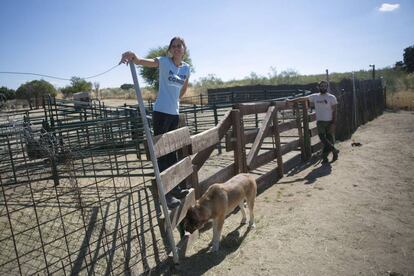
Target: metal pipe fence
{"points": [[75, 193]]}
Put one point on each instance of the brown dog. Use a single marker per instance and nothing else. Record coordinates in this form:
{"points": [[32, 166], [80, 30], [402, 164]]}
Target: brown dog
{"points": [[220, 200]]}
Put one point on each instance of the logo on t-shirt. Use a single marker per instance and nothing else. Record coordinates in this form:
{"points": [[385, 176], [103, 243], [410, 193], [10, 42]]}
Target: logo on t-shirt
{"points": [[176, 79], [322, 101]]}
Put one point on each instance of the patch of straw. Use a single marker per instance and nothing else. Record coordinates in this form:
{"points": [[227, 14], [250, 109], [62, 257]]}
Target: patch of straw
{"points": [[401, 100]]}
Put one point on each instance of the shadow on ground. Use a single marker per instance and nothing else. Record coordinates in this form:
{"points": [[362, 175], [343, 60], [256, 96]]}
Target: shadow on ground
{"points": [[319, 170], [202, 261]]}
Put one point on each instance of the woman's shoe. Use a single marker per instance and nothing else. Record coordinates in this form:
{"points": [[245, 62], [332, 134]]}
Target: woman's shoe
{"points": [[172, 202], [179, 193]]}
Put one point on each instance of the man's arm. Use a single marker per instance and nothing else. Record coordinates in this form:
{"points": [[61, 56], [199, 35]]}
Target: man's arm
{"points": [[334, 113], [333, 124], [303, 100]]}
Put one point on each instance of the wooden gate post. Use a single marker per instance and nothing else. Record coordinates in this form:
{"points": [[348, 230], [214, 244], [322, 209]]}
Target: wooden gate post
{"points": [[280, 170], [239, 153], [216, 123], [300, 132], [306, 133]]}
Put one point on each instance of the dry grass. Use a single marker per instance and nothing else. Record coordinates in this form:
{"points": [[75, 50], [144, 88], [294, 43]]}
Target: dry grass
{"points": [[401, 100], [191, 96], [115, 93], [129, 97], [147, 94]]}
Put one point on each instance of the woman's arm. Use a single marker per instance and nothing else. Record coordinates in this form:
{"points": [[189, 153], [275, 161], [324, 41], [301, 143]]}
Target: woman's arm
{"points": [[184, 88], [131, 57]]}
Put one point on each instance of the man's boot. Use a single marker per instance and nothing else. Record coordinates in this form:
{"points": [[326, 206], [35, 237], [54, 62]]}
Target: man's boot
{"points": [[335, 153]]}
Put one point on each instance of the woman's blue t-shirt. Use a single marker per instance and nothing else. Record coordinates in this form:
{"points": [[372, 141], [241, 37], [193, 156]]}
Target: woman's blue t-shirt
{"points": [[171, 80]]}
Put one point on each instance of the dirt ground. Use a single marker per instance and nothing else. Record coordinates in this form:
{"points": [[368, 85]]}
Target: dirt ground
{"points": [[351, 217]]}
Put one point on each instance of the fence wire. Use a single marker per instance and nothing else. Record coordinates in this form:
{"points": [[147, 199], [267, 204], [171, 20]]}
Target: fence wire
{"points": [[75, 193]]}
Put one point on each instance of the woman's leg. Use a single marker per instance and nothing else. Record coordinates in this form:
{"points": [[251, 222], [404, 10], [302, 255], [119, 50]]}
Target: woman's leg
{"points": [[163, 123]]}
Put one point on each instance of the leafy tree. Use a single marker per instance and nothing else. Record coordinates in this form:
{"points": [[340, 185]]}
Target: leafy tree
{"points": [[77, 85], [409, 59], [96, 86], [35, 90], [150, 75], [399, 65], [211, 81], [7, 93], [127, 86], [253, 79]]}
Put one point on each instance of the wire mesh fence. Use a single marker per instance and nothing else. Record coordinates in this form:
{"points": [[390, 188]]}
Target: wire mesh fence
{"points": [[76, 193]]}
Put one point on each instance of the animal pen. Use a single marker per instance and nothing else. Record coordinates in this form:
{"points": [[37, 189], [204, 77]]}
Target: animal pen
{"points": [[77, 189]]}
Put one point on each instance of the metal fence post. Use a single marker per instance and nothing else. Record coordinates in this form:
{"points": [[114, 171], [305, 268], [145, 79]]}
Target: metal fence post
{"points": [[306, 134], [154, 163]]}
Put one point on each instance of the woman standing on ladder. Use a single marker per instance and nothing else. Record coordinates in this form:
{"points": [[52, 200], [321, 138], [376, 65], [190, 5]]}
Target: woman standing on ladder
{"points": [[174, 74]]}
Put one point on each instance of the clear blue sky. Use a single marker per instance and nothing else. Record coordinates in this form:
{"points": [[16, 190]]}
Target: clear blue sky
{"points": [[228, 38]]}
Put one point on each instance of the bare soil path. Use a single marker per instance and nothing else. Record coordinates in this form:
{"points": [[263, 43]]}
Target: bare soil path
{"points": [[352, 217]]}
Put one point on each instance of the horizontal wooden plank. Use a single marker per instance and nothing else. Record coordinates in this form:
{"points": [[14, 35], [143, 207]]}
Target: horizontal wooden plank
{"points": [[271, 177], [219, 177], [312, 117], [201, 157], [292, 162], [171, 141], [313, 131], [281, 105], [172, 176], [204, 140], [318, 146], [178, 214], [252, 108], [260, 107], [249, 135], [268, 156], [289, 147], [287, 126], [263, 159], [267, 180]]}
